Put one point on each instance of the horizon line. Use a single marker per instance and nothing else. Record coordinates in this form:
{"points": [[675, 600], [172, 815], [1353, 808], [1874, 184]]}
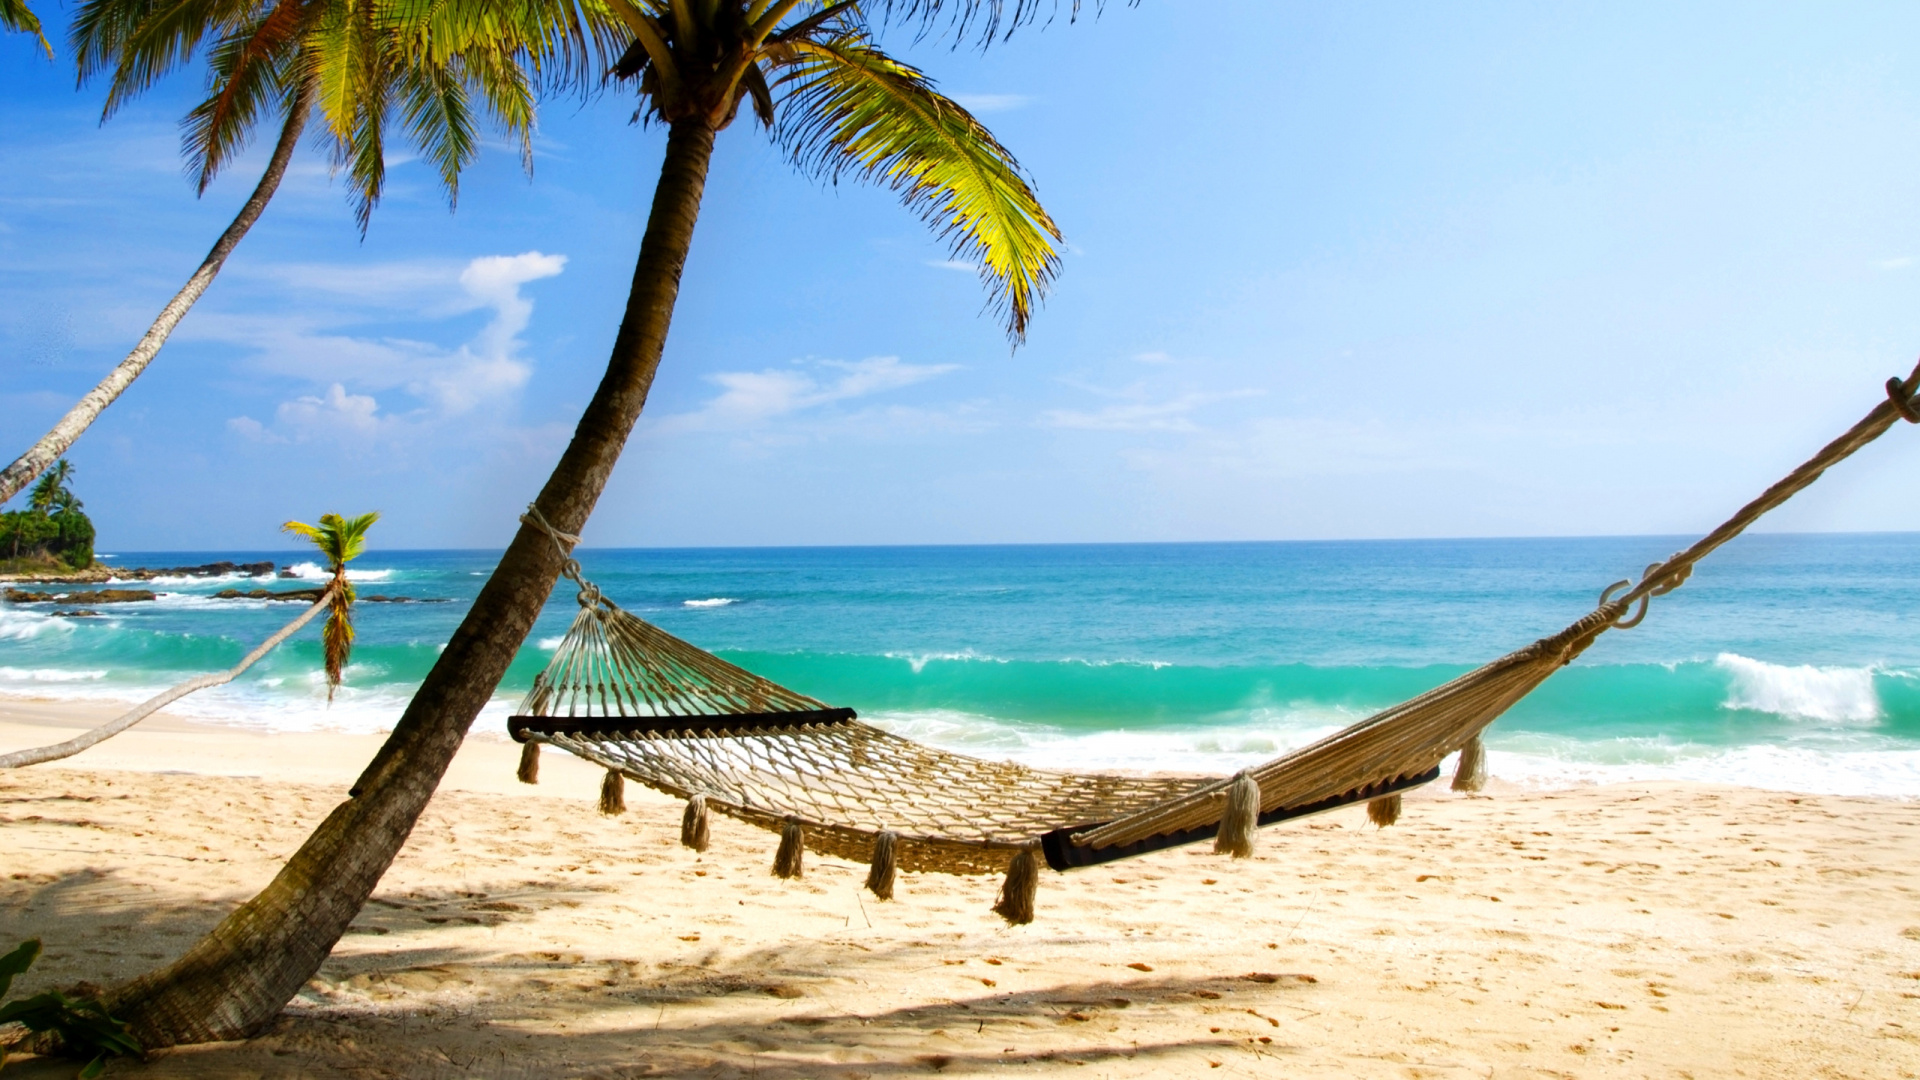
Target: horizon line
{"points": [[1073, 543]]}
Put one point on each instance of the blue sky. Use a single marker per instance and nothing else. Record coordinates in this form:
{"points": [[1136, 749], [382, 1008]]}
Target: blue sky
{"points": [[1354, 270]]}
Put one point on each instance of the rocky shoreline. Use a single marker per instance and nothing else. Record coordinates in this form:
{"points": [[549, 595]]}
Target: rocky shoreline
{"points": [[98, 574]]}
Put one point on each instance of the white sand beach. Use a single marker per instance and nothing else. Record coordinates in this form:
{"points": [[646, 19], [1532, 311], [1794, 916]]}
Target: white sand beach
{"points": [[1662, 930]]}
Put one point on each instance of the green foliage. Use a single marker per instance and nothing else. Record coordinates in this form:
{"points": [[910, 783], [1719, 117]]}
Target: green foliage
{"points": [[340, 541], [84, 1026], [53, 525], [850, 108], [436, 68], [810, 72]]}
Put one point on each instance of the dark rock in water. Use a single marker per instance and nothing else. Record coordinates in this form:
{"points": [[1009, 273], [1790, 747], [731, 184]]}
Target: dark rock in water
{"points": [[83, 613], [214, 569], [79, 596], [288, 574], [312, 596], [309, 595]]}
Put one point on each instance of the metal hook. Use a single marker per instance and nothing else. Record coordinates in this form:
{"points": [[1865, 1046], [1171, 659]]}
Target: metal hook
{"points": [[1606, 597], [1628, 624]]}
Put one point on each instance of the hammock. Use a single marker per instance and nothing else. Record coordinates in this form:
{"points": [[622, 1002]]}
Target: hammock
{"points": [[646, 705]]}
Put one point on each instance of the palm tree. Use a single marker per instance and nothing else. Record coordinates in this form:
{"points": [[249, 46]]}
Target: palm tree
{"points": [[840, 106], [361, 63], [16, 15], [340, 541], [52, 494]]}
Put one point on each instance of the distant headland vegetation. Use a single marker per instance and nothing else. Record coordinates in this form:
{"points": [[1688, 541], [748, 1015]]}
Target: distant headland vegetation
{"points": [[53, 534]]}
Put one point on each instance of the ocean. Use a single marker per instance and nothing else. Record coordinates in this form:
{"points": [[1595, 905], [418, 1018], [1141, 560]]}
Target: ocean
{"points": [[1788, 661]]}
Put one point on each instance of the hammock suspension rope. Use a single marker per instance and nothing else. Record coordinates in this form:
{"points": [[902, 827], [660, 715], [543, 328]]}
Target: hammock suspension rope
{"points": [[647, 706]]}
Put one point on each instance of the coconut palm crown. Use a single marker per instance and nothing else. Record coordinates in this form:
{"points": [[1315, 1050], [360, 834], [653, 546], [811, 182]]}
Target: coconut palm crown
{"points": [[340, 541], [51, 494], [361, 64]]}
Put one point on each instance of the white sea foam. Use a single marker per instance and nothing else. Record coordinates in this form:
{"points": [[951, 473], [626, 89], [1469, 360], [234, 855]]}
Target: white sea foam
{"points": [[19, 624], [1839, 763], [717, 601], [549, 644], [1804, 692], [919, 661], [46, 675], [1886, 771], [311, 571]]}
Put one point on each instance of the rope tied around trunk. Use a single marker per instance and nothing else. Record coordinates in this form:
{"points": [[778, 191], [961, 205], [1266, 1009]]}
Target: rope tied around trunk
{"points": [[564, 543]]}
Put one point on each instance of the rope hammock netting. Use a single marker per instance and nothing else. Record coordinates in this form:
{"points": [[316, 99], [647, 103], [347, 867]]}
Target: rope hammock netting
{"points": [[650, 707]]}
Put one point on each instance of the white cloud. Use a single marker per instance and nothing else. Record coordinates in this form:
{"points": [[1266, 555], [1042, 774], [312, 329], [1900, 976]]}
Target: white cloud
{"points": [[954, 264], [1153, 358], [445, 382], [335, 413], [1900, 263], [252, 430], [750, 398], [991, 103], [1173, 414]]}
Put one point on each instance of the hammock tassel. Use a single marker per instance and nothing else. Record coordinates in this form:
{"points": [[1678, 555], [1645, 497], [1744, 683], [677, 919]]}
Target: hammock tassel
{"points": [[1022, 885], [793, 845], [613, 793], [1384, 810], [693, 824], [1242, 819], [529, 770], [1471, 774], [881, 867]]}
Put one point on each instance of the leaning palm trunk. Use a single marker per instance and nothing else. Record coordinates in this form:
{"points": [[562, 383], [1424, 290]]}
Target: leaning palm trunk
{"points": [[39, 754], [241, 975], [55, 443]]}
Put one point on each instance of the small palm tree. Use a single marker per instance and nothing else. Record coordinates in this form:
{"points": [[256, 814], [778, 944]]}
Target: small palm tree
{"points": [[360, 64], [16, 15], [340, 541], [51, 494]]}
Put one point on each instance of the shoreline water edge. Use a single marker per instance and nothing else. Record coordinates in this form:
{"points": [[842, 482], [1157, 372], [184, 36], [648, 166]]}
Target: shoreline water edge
{"points": [[1784, 665]]}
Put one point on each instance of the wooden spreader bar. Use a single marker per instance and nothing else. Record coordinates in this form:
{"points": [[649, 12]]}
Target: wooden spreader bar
{"points": [[710, 726]]}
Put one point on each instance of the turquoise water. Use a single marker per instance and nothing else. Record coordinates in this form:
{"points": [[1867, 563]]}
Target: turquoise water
{"points": [[1788, 661]]}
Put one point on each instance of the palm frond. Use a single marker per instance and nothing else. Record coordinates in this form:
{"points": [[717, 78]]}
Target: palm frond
{"points": [[16, 15], [140, 41], [440, 121], [493, 73], [564, 44], [247, 70], [850, 108], [990, 20], [355, 70]]}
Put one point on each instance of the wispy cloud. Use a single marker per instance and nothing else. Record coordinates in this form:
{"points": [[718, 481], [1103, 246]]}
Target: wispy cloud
{"points": [[1137, 413], [443, 382], [749, 399], [954, 264], [1900, 263]]}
